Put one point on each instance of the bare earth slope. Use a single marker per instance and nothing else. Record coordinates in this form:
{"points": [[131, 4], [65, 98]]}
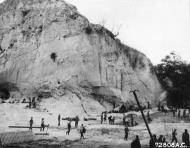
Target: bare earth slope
{"points": [[48, 49]]}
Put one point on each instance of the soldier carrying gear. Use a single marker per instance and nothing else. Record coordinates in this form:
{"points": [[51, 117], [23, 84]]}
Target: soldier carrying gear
{"points": [[82, 131], [174, 134]]}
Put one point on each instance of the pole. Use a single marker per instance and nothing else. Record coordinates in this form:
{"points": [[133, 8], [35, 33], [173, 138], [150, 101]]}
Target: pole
{"points": [[136, 98]]}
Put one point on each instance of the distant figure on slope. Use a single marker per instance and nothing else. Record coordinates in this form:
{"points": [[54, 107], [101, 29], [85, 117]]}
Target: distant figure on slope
{"points": [[126, 133], [185, 138], [42, 125], [31, 123], [59, 119], [68, 128], [174, 134], [82, 131], [136, 143]]}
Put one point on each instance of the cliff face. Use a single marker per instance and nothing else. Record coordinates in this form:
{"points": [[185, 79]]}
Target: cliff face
{"points": [[47, 48]]}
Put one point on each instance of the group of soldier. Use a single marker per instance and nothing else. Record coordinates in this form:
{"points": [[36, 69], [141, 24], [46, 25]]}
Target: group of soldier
{"points": [[162, 139], [178, 112], [42, 127], [31, 102]]}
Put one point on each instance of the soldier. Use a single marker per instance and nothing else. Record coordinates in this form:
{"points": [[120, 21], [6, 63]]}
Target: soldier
{"points": [[184, 113], [105, 117], [174, 134], [82, 131], [173, 111], [68, 128], [179, 112], [42, 125], [136, 143], [185, 138], [113, 120], [76, 121], [102, 118], [31, 123], [124, 122], [109, 119], [30, 103], [34, 102], [152, 142], [160, 139], [126, 133], [131, 120], [59, 119], [148, 106]]}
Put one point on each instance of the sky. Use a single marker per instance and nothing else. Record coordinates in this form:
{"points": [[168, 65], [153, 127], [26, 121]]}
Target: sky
{"points": [[154, 27]]}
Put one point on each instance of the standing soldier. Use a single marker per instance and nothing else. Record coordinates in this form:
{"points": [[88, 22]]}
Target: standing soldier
{"points": [[173, 110], [59, 119], [109, 119], [179, 112], [113, 120], [31, 123], [101, 118], [42, 125], [76, 121], [131, 120], [148, 106], [185, 138], [124, 122], [33, 102], [68, 128], [174, 134], [30, 103], [184, 113], [105, 116], [126, 133]]}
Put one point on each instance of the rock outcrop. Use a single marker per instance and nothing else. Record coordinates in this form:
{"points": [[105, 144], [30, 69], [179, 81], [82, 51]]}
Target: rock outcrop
{"points": [[47, 48]]}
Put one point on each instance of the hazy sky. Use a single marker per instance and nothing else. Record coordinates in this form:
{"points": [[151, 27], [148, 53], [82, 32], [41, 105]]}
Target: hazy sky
{"points": [[154, 27]]}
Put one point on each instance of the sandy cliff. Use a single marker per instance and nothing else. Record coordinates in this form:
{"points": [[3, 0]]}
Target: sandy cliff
{"points": [[48, 49]]}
